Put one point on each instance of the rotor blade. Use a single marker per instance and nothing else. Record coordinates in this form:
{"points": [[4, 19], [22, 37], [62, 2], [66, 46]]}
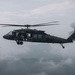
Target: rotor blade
{"points": [[10, 25], [45, 24], [15, 25], [35, 25], [53, 22], [42, 25]]}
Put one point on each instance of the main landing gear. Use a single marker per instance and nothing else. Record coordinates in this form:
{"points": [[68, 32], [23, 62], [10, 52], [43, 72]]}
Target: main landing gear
{"points": [[19, 42], [19, 39]]}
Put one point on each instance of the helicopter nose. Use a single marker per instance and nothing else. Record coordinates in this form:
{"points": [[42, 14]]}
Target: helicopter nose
{"points": [[5, 37]]}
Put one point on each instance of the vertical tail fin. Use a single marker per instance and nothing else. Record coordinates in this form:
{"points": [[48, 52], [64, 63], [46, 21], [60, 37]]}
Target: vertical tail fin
{"points": [[72, 37]]}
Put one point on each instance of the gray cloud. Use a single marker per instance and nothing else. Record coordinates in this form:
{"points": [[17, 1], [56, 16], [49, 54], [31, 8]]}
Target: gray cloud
{"points": [[27, 12], [41, 60]]}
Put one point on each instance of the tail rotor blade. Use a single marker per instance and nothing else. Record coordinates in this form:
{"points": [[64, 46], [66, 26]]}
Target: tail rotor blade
{"points": [[73, 25], [70, 33]]}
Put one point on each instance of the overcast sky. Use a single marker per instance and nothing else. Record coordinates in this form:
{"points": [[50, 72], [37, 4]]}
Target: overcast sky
{"points": [[35, 58]]}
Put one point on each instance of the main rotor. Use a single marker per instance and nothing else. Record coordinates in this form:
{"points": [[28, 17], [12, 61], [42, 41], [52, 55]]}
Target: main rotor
{"points": [[28, 25]]}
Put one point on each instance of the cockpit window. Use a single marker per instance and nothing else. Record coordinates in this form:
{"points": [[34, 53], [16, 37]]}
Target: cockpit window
{"points": [[10, 33]]}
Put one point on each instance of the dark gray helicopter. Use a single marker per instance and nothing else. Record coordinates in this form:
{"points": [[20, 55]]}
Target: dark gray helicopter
{"points": [[33, 35]]}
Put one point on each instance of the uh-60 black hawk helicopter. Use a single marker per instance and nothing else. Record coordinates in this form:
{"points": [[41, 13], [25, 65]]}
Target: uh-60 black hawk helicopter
{"points": [[33, 35]]}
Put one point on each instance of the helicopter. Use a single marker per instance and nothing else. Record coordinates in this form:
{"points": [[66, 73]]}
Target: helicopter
{"points": [[33, 35]]}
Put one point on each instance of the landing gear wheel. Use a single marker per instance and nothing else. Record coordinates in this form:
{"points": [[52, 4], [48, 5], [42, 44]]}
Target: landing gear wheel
{"points": [[19, 42]]}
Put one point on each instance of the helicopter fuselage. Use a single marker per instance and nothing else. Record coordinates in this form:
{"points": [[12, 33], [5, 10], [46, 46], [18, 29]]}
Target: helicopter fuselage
{"points": [[30, 35]]}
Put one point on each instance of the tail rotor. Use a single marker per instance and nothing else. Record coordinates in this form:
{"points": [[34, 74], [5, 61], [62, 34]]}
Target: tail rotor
{"points": [[73, 26]]}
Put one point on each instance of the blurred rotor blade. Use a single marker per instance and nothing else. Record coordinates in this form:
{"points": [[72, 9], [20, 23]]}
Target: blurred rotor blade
{"points": [[50, 22], [10, 25], [71, 32], [37, 25], [53, 22], [15, 25], [73, 25]]}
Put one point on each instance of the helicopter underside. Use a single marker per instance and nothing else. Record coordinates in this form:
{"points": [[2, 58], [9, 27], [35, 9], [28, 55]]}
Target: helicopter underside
{"points": [[47, 39]]}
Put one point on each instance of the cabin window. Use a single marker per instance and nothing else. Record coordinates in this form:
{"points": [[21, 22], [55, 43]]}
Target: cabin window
{"points": [[35, 36], [39, 36], [28, 35]]}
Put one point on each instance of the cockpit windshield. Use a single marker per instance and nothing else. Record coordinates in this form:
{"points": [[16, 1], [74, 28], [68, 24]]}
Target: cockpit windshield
{"points": [[10, 33]]}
